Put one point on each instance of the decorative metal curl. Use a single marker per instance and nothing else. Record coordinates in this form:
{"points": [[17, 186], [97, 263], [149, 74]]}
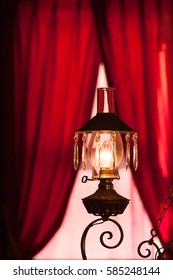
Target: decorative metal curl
{"points": [[148, 254], [159, 255], [160, 252], [97, 222]]}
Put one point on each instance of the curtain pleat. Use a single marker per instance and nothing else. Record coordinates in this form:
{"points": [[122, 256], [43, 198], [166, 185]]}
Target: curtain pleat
{"points": [[53, 49], [136, 41]]}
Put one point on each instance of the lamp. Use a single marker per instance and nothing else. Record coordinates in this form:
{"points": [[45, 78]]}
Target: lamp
{"points": [[105, 151], [102, 142]]}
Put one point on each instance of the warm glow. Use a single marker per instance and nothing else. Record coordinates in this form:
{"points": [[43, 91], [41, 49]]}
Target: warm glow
{"points": [[105, 151], [106, 155]]}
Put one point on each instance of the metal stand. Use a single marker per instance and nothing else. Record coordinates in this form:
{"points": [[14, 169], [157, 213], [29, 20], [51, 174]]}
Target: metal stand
{"points": [[109, 233], [106, 202]]}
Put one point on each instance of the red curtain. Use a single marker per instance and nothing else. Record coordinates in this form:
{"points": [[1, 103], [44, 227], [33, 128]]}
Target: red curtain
{"points": [[136, 38], [50, 54], [51, 66]]}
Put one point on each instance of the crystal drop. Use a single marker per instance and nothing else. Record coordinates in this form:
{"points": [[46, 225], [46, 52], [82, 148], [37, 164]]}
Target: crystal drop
{"points": [[84, 151], [76, 152], [127, 137], [135, 152]]}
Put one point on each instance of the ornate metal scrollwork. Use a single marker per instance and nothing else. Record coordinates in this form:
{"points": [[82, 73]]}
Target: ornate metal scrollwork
{"points": [[160, 252], [109, 233], [158, 255]]}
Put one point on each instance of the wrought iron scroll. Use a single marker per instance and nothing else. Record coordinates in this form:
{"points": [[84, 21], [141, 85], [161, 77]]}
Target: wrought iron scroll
{"points": [[109, 233], [160, 252]]}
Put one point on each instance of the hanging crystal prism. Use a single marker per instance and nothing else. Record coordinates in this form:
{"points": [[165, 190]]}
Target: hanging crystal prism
{"points": [[97, 151], [114, 153], [127, 137], [76, 152], [84, 151], [135, 151]]}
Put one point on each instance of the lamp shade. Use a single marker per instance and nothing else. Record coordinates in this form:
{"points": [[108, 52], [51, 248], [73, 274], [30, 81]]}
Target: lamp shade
{"points": [[105, 130]]}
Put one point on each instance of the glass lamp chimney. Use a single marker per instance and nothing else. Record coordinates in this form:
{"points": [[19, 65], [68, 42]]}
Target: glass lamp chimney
{"points": [[105, 147]]}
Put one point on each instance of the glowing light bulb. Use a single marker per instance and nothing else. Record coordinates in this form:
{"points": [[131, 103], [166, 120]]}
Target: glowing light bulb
{"points": [[106, 155]]}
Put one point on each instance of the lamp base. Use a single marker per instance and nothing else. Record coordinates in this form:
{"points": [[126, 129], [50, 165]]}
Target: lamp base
{"points": [[105, 202]]}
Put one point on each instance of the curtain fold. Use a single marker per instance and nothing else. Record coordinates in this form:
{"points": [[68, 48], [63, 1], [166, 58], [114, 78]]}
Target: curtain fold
{"points": [[136, 42], [53, 78]]}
